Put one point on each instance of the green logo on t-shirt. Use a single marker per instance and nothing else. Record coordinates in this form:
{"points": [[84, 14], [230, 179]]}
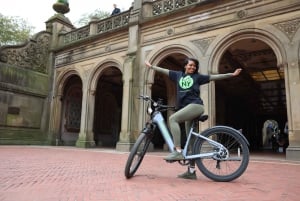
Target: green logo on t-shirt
{"points": [[186, 82]]}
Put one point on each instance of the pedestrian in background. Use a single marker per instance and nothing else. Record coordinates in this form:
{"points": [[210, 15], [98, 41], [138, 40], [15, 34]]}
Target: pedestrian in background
{"points": [[116, 10]]}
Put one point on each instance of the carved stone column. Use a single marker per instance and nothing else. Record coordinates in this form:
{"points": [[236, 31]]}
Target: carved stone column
{"points": [[293, 70], [130, 109], [54, 128], [126, 136], [292, 83], [86, 135]]}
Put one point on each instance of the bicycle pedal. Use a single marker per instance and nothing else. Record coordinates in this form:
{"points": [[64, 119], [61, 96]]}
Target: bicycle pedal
{"points": [[171, 161]]}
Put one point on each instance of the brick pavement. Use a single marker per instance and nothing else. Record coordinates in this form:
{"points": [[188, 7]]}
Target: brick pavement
{"points": [[33, 173]]}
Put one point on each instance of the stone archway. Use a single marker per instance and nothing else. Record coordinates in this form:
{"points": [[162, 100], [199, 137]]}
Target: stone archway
{"points": [[71, 103], [108, 107], [257, 94]]}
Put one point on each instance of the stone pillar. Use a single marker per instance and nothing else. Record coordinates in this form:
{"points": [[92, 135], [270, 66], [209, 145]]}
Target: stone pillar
{"points": [[130, 107], [126, 138], [292, 84], [59, 23], [55, 25], [86, 135], [293, 97], [55, 118]]}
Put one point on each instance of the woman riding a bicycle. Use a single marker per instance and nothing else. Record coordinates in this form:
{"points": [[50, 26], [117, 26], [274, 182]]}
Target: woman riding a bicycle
{"points": [[189, 103]]}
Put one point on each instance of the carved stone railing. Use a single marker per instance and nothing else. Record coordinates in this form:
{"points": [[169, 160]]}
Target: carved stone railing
{"points": [[76, 34], [97, 27], [114, 22], [164, 6]]}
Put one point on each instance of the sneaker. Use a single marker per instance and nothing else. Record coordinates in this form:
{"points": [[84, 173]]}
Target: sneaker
{"points": [[174, 156], [188, 175]]}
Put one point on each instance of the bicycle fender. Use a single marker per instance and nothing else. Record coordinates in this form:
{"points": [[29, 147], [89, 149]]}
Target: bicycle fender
{"points": [[241, 134]]}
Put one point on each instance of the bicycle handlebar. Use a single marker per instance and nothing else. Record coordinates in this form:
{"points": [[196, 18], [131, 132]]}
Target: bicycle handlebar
{"points": [[157, 104]]}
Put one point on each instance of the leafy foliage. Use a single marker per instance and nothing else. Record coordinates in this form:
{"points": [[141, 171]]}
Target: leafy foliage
{"points": [[63, 1], [13, 30], [96, 15]]}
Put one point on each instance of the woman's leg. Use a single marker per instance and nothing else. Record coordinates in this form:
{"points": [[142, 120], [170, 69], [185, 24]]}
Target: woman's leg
{"points": [[186, 114], [191, 171]]}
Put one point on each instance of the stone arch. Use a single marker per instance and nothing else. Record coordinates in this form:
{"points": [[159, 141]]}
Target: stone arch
{"points": [[96, 73], [106, 86], [221, 43], [62, 79], [221, 47], [69, 103]]}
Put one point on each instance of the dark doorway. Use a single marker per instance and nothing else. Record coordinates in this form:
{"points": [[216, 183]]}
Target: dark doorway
{"points": [[108, 108], [71, 106]]}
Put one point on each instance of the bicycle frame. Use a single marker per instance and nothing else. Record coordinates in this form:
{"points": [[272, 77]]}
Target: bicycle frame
{"points": [[159, 120]]}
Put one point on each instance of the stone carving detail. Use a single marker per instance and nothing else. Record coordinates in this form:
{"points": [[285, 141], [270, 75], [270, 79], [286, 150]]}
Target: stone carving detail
{"points": [[113, 23], [165, 6], [108, 48], [170, 31], [289, 28], [33, 55], [168, 5], [77, 35], [179, 3], [203, 44], [242, 14], [102, 27]]}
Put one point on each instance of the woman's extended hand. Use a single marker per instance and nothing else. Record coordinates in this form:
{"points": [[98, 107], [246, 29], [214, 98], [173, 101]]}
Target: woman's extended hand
{"points": [[237, 72], [147, 63]]}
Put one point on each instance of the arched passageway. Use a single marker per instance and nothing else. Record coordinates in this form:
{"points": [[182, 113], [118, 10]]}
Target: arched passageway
{"points": [[257, 95], [71, 110], [108, 107]]}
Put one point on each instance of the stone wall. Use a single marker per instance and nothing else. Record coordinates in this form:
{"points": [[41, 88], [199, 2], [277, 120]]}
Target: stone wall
{"points": [[25, 85]]}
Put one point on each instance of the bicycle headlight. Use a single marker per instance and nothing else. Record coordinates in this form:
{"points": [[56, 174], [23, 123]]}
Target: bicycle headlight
{"points": [[149, 109]]}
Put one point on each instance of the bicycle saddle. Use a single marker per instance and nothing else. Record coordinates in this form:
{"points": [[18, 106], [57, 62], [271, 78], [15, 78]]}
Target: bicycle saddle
{"points": [[203, 118]]}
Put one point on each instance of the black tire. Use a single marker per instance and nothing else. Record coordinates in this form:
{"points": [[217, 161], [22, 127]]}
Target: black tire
{"points": [[220, 168], [137, 154]]}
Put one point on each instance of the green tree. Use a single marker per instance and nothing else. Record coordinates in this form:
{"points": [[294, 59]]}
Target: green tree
{"points": [[87, 17], [14, 30]]}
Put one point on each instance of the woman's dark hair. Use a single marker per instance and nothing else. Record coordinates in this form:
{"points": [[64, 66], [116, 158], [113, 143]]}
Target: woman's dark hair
{"points": [[186, 61]]}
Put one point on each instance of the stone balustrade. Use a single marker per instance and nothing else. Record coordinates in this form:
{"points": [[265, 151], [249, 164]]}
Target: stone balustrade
{"points": [[121, 20]]}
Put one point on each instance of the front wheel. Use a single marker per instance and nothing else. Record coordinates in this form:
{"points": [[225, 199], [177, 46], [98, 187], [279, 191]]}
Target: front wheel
{"points": [[137, 154], [226, 166]]}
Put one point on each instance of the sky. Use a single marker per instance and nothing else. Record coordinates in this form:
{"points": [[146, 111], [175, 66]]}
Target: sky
{"points": [[36, 13]]}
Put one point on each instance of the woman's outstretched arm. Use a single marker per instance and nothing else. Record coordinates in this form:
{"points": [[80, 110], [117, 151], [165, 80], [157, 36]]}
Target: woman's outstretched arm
{"points": [[158, 69], [225, 76]]}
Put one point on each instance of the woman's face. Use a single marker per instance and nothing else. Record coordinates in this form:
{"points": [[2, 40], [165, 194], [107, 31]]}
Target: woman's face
{"points": [[190, 67]]}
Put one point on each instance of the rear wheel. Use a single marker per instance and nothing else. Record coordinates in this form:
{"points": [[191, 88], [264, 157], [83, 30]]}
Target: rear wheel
{"points": [[226, 166], [137, 154]]}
